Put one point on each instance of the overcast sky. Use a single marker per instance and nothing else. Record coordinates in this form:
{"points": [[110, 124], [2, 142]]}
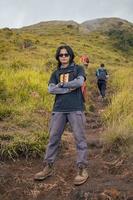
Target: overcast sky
{"points": [[18, 13]]}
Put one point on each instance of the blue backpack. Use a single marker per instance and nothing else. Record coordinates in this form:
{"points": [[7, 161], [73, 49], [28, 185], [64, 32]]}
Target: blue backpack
{"points": [[101, 74]]}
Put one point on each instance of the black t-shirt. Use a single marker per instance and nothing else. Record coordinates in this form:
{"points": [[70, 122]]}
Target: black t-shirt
{"points": [[72, 101]]}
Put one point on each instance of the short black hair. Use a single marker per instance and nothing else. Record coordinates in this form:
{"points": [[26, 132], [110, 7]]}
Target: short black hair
{"points": [[102, 65], [69, 51]]}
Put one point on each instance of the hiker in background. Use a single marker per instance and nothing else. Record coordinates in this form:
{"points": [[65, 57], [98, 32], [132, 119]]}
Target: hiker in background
{"points": [[68, 107], [102, 75], [84, 59]]}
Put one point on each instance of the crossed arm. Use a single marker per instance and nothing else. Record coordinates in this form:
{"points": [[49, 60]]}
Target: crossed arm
{"points": [[66, 87]]}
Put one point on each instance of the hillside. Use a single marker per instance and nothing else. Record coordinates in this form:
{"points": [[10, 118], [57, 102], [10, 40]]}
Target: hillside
{"points": [[105, 24], [27, 58], [117, 29], [37, 43], [26, 62]]}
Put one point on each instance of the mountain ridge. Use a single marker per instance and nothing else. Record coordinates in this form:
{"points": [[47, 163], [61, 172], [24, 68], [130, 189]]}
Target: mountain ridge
{"points": [[94, 23], [106, 24]]}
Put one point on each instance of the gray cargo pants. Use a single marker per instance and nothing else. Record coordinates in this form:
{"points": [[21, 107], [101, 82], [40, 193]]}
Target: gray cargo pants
{"points": [[57, 125]]}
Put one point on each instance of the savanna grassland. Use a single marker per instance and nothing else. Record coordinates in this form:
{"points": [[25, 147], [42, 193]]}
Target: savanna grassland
{"points": [[26, 61]]}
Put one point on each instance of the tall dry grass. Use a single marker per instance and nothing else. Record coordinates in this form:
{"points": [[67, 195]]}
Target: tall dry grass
{"points": [[119, 114]]}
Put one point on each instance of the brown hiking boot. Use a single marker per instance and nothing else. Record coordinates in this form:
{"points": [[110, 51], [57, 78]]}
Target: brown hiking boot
{"points": [[46, 172], [81, 177]]}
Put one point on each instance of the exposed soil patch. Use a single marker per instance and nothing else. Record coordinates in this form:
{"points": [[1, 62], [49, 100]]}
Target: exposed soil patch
{"points": [[109, 179]]}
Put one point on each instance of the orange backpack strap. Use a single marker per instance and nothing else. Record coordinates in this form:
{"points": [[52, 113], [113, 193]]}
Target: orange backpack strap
{"points": [[84, 91]]}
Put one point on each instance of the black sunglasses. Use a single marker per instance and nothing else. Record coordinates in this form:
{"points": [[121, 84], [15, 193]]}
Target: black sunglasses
{"points": [[63, 54]]}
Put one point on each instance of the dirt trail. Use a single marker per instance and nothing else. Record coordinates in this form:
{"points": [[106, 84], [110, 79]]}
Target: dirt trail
{"points": [[107, 180]]}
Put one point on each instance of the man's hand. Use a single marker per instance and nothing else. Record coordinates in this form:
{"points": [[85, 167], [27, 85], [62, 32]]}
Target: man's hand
{"points": [[72, 89], [60, 85]]}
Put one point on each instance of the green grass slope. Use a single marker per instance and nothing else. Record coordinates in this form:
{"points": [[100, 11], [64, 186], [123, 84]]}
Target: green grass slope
{"points": [[26, 61]]}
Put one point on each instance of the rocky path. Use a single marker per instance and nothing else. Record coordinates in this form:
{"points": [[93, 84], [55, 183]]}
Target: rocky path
{"points": [[110, 178]]}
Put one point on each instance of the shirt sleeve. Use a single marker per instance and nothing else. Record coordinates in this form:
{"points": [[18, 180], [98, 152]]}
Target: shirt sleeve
{"points": [[106, 72], [76, 83], [53, 78], [81, 72], [55, 89], [97, 72]]}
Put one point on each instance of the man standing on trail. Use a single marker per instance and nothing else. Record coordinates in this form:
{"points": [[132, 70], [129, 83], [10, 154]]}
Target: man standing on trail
{"points": [[102, 75], [65, 83]]}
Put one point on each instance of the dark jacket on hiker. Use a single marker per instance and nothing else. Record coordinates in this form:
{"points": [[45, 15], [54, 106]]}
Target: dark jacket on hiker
{"points": [[69, 95]]}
